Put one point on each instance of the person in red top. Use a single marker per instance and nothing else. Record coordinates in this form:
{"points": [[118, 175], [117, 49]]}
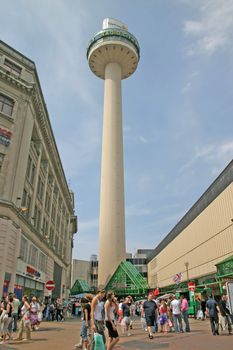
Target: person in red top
{"points": [[163, 317], [184, 310]]}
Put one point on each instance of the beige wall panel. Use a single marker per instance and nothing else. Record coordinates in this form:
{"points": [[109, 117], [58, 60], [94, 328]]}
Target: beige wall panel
{"points": [[205, 242]]}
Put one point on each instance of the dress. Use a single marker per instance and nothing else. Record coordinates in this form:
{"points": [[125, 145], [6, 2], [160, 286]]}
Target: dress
{"points": [[34, 313]]}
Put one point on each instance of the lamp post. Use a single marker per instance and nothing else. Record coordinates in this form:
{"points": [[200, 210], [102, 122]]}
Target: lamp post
{"points": [[187, 269]]}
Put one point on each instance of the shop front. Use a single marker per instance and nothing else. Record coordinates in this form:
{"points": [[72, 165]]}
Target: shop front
{"points": [[224, 273], [28, 286], [29, 281]]}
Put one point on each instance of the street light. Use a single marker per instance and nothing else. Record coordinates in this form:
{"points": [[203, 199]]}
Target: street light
{"points": [[187, 269]]}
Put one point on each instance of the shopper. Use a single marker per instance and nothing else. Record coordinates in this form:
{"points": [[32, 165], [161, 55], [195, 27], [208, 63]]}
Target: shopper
{"points": [[97, 313], [6, 318], [149, 308], [15, 313], [185, 314], [176, 313], [125, 323], [212, 311], [110, 310], [25, 323]]}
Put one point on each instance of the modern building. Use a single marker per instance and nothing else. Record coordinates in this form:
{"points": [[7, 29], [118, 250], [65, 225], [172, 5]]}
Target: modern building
{"points": [[86, 270], [113, 55], [139, 260], [200, 247], [37, 220]]}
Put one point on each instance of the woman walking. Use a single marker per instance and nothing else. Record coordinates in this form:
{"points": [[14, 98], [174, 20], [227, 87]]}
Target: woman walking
{"points": [[163, 318], [6, 318], [34, 309], [25, 323], [110, 311]]}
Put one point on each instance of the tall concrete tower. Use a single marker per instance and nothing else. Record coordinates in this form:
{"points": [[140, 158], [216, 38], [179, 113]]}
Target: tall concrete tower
{"points": [[113, 55]]}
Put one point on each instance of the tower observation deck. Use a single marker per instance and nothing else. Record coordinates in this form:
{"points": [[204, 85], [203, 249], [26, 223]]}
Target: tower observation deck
{"points": [[113, 54]]}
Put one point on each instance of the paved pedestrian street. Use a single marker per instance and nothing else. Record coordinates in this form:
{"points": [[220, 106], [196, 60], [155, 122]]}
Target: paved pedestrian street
{"points": [[63, 336]]}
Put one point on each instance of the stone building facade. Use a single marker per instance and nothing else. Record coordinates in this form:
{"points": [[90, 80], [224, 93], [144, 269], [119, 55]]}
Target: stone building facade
{"points": [[37, 220]]}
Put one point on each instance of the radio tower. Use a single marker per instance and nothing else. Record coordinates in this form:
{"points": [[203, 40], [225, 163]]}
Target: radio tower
{"points": [[113, 55]]}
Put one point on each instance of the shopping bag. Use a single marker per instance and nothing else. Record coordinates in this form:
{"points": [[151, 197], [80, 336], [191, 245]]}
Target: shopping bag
{"points": [[99, 343]]}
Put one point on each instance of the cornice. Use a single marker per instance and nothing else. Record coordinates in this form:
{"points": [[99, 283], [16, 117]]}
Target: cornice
{"points": [[16, 82]]}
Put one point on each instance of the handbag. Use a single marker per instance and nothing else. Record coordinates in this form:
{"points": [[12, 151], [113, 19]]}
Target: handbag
{"points": [[99, 343], [4, 316]]}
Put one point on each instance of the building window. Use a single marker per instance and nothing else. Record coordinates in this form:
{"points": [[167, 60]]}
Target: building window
{"points": [[32, 173], [37, 216], [29, 167], [47, 202], [6, 105], [51, 236], [40, 188], [42, 262], [33, 256], [1, 160], [23, 249], [26, 202], [16, 70]]}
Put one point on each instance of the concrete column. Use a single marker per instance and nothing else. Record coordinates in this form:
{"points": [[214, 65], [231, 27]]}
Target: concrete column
{"points": [[112, 216]]}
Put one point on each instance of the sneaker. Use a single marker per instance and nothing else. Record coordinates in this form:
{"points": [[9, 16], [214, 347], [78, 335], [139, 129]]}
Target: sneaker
{"points": [[150, 336], [129, 334]]}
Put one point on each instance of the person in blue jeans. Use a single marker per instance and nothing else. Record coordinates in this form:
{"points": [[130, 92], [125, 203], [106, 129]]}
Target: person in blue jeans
{"points": [[184, 311], [176, 312]]}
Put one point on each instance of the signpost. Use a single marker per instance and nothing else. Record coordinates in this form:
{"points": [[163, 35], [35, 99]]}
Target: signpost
{"points": [[191, 286], [50, 285]]}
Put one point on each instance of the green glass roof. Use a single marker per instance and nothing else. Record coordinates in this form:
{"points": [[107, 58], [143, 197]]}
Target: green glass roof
{"points": [[80, 286], [127, 280]]}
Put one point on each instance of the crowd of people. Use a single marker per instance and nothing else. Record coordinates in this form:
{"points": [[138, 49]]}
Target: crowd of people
{"points": [[157, 315], [105, 313], [26, 316]]}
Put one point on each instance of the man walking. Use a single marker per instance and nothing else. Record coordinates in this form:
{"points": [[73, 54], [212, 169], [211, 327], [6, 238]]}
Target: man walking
{"points": [[184, 310], [149, 307], [16, 305], [176, 312], [97, 313], [213, 309]]}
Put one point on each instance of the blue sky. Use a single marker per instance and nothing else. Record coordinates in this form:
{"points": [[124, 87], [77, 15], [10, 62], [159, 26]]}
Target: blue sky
{"points": [[177, 107]]}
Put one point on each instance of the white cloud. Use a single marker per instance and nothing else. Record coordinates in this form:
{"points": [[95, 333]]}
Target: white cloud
{"points": [[220, 153], [214, 29], [143, 139], [137, 209]]}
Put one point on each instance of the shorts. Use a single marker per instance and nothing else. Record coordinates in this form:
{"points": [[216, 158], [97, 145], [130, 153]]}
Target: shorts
{"points": [[150, 321], [126, 320], [111, 332], [83, 331]]}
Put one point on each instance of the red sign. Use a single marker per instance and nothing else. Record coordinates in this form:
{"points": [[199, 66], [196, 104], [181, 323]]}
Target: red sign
{"points": [[191, 286], [50, 285]]}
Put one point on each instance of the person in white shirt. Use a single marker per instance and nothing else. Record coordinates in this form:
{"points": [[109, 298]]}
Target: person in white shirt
{"points": [[176, 312]]}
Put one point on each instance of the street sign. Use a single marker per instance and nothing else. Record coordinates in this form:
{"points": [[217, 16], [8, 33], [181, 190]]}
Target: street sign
{"points": [[50, 285], [191, 286], [229, 286]]}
